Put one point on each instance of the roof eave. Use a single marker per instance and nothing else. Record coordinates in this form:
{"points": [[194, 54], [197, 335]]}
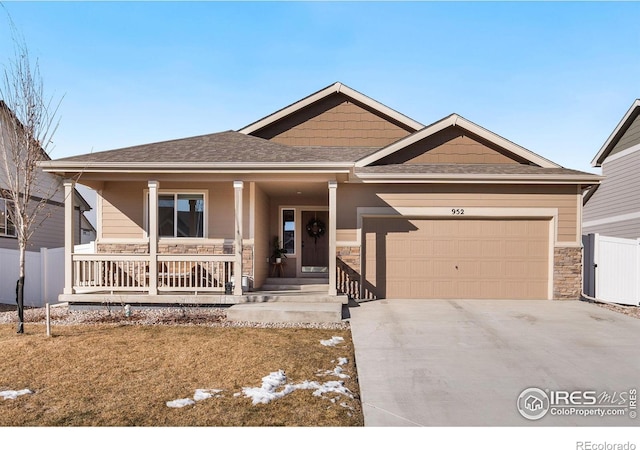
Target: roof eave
{"points": [[614, 137], [128, 167], [477, 178]]}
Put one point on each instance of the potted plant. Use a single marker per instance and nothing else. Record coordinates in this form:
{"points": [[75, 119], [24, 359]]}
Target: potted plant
{"points": [[278, 252]]}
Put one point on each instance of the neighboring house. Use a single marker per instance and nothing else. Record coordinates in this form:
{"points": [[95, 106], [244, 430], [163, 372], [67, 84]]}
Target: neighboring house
{"points": [[87, 232], [366, 200], [613, 207], [50, 232]]}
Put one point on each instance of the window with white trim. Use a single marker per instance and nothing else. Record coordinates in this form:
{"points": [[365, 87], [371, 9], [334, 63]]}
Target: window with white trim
{"points": [[289, 230], [7, 228], [180, 215]]}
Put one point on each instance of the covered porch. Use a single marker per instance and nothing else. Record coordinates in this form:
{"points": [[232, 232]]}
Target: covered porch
{"points": [[220, 251]]}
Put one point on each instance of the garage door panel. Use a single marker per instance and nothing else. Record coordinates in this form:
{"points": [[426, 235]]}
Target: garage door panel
{"points": [[492, 248], [468, 258], [418, 268], [420, 247], [420, 287], [491, 269], [467, 289], [442, 289]]}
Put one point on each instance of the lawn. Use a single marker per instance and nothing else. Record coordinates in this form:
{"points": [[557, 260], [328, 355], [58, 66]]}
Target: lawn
{"points": [[124, 375]]}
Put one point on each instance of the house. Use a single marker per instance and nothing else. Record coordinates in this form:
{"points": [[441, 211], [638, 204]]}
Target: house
{"points": [[48, 231], [613, 207], [367, 202], [49, 234]]}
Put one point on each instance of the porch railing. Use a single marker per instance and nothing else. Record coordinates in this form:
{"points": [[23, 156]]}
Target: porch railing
{"points": [[197, 273], [130, 273]]}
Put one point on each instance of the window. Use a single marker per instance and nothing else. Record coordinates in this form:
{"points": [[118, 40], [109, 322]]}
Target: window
{"points": [[289, 230], [181, 215], [6, 226]]}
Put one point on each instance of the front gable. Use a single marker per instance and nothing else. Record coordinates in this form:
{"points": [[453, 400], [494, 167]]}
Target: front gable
{"points": [[336, 116], [335, 121], [454, 140], [452, 145]]}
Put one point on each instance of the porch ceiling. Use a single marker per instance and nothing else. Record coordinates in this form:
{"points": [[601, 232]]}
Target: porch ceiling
{"points": [[295, 189]]}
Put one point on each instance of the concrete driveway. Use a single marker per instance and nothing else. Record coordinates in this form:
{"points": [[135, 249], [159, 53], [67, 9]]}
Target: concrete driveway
{"points": [[466, 362]]}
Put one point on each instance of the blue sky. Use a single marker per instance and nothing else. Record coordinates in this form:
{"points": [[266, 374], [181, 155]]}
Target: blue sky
{"points": [[553, 77]]}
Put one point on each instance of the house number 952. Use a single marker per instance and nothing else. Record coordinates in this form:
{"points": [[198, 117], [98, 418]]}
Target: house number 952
{"points": [[457, 211]]}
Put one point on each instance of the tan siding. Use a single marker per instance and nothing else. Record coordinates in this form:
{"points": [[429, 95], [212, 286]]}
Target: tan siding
{"points": [[346, 235], [123, 208], [334, 121], [630, 138], [618, 194], [261, 240], [461, 150], [451, 146], [485, 196]]}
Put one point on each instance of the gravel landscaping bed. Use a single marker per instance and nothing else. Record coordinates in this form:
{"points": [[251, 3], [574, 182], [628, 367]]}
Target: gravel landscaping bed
{"points": [[186, 316], [633, 311]]}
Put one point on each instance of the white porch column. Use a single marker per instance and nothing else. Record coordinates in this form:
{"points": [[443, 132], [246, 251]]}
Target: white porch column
{"points": [[333, 186], [153, 237], [68, 236], [237, 266]]}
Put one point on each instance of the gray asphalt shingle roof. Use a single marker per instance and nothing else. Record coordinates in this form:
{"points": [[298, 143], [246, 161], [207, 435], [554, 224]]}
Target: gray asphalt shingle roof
{"points": [[224, 147]]}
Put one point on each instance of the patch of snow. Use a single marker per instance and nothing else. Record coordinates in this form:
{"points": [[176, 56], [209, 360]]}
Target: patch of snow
{"points": [[180, 403], [12, 395], [200, 394], [203, 394], [275, 380], [337, 372], [335, 340], [267, 392], [332, 387], [274, 386]]}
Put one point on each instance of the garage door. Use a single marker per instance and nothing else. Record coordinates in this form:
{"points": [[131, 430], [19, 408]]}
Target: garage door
{"points": [[456, 259]]}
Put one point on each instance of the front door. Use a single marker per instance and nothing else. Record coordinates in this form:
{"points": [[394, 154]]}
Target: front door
{"points": [[315, 242]]}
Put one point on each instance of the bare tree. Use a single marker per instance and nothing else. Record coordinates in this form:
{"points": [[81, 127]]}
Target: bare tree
{"points": [[27, 124]]}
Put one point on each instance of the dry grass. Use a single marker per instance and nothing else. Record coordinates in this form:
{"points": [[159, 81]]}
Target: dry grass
{"points": [[106, 375]]}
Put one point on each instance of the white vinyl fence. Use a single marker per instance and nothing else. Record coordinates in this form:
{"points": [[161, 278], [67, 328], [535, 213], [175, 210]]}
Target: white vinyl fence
{"points": [[612, 269], [44, 279]]}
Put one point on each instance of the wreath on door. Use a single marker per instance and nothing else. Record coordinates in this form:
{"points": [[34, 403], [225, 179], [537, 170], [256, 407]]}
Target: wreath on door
{"points": [[316, 229]]}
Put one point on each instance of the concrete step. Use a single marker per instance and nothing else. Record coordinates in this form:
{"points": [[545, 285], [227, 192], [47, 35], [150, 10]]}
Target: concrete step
{"points": [[297, 281], [286, 312], [295, 287], [293, 297]]}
